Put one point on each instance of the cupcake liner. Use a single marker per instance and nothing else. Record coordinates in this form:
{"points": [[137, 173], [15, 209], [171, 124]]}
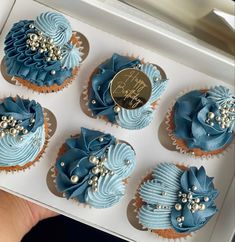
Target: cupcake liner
{"points": [[49, 131], [77, 39], [180, 145], [84, 98], [137, 202], [52, 173]]}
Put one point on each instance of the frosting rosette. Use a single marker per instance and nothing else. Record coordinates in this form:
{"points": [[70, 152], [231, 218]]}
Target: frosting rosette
{"points": [[55, 26], [202, 122], [102, 104], [177, 199], [22, 132], [92, 167]]}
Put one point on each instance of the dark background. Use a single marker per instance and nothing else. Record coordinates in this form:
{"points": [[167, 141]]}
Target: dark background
{"points": [[63, 229]]}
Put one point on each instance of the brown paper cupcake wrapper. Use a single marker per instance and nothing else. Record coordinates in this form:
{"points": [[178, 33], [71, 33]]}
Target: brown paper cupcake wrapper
{"points": [[84, 99], [180, 145], [50, 127], [136, 203], [51, 175], [77, 39]]}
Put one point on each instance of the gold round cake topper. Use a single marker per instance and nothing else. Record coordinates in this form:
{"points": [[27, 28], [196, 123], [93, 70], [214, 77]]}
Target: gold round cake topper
{"points": [[131, 88]]}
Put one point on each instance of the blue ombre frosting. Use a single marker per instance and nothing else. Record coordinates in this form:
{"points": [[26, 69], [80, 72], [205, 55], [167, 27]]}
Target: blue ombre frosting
{"points": [[31, 65], [104, 104], [117, 158], [54, 26], [169, 197], [21, 149], [192, 124]]}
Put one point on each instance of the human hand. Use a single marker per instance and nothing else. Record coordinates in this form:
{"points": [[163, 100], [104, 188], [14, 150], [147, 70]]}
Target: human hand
{"points": [[18, 216]]}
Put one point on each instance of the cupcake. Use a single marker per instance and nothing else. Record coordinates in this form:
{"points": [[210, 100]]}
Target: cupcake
{"points": [[24, 133], [124, 91], [173, 201], [43, 54], [92, 168], [201, 122]]}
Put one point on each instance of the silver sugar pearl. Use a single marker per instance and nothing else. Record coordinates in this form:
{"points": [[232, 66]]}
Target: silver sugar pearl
{"points": [[62, 163], [4, 118], [111, 173], [74, 179], [13, 131], [31, 26], [212, 124], [211, 115], [202, 207], [163, 193], [10, 118], [206, 199], [2, 134], [93, 160], [178, 206], [95, 170], [184, 200], [25, 131], [101, 139], [48, 59], [179, 219], [158, 206], [117, 109], [94, 178], [197, 200], [104, 159], [3, 124], [90, 182], [53, 72], [93, 101], [194, 188], [95, 189], [217, 118], [128, 162]]}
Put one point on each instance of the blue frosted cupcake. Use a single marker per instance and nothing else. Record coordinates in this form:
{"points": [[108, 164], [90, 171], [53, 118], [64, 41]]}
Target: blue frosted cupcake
{"points": [[93, 167], [202, 121], [124, 91], [23, 133], [173, 201], [43, 54]]}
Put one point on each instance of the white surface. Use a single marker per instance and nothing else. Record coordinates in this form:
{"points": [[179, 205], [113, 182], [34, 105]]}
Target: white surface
{"points": [[142, 29], [65, 105], [229, 19], [5, 8]]}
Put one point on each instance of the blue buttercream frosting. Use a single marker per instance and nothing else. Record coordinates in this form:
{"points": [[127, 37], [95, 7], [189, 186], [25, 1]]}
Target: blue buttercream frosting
{"points": [[195, 182], [104, 104], [176, 199], [192, 124], [71, 56], [54, 26], [110, 190], [30, 65], [24, 110], [99, 151], [18, 152], [27, 118], [100, 85]]}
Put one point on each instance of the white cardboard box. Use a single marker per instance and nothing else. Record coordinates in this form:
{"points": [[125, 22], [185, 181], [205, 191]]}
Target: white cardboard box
{"points": [[31, 184]]}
